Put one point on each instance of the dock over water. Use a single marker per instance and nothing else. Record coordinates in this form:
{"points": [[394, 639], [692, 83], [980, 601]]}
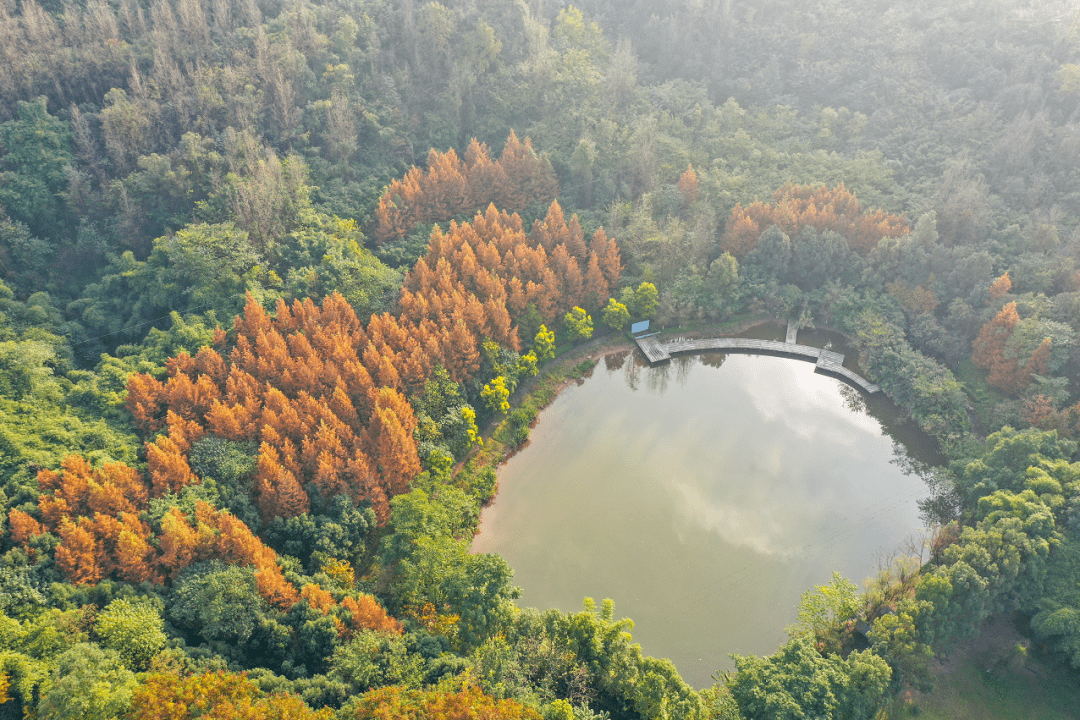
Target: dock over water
{"points": [[653, 349], [826, 361]]}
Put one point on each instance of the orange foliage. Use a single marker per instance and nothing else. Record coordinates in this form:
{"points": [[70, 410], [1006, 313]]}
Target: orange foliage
{"points": [[279, 492], [450, 187], [688, 185], [469, 703], [301, 384], [1037, 364], [79, 490], [23, 527], [529, 177], [988, 352], [318, 598], [179, 541], [360, 613], [1040, 412], [95, 512], [367, 614], [219, 695], [1000, 287], [391, 437], [476, 277], [79, 553], [797, 206], [273, 586], [323, 397], [135, 558], [169, 469]]}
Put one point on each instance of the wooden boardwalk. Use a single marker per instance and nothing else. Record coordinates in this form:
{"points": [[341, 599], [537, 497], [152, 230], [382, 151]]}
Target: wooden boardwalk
{"points": [[654, 351], [827, 361]]}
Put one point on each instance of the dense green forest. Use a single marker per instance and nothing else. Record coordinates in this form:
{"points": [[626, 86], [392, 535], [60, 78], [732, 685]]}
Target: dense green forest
{"points": [[266, 269]]}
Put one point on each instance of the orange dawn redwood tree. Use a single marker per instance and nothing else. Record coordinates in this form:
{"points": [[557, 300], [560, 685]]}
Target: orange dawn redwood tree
{"points": [[1000, 287], [794, 207], [219, 695], [296, 383], [450, 187], [323, 396], [95, 514], [989, 351], [688, 185]]}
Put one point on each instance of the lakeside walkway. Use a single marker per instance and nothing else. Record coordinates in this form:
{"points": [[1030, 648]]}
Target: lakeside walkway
{"points": [[826, 361]]}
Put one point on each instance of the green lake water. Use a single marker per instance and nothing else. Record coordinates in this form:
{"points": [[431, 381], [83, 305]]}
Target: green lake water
{"points": [[704, 497]]}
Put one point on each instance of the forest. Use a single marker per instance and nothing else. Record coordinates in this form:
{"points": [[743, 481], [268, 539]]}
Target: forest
{"points": [[269, 267]]}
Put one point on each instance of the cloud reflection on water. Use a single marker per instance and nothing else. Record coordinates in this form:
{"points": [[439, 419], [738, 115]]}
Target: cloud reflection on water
{"points": [[724, 491]]}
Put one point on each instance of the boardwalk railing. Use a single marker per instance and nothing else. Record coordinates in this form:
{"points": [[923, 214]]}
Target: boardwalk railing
{"points": [[827, 361]]}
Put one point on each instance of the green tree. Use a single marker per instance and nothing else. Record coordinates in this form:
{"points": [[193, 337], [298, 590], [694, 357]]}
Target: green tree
{"points": [[444, 416], [1007, 456], [544, 344], [325, 255], [526, 366], [48, 410], [338, 530], [770, 260], [723, 281], [578, 325], [211, 266], [24, 258], [496, 395], [134, 629], [315, 637], [796, 683], [38, 149], [476, 587], [1057, 621], [641, 302], [218, 602], [591, 652], [896, 638], [615, 315], [827, 612], [373, 659], [581, 167], [445, 512], [88, 684]]}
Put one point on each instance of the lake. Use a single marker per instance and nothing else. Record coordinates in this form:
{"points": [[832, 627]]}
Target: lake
{"points": [[704, 497]]}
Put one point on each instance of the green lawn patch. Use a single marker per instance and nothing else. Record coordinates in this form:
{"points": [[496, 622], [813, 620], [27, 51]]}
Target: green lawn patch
{"points": [[994, 678]]}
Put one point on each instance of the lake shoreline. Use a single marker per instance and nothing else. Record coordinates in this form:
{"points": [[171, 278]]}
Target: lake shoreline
{"points": [[681, 484], [563, 368]]}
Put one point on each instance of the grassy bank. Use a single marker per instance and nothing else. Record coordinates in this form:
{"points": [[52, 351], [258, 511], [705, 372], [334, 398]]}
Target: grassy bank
{"points": [[995, 676]]}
